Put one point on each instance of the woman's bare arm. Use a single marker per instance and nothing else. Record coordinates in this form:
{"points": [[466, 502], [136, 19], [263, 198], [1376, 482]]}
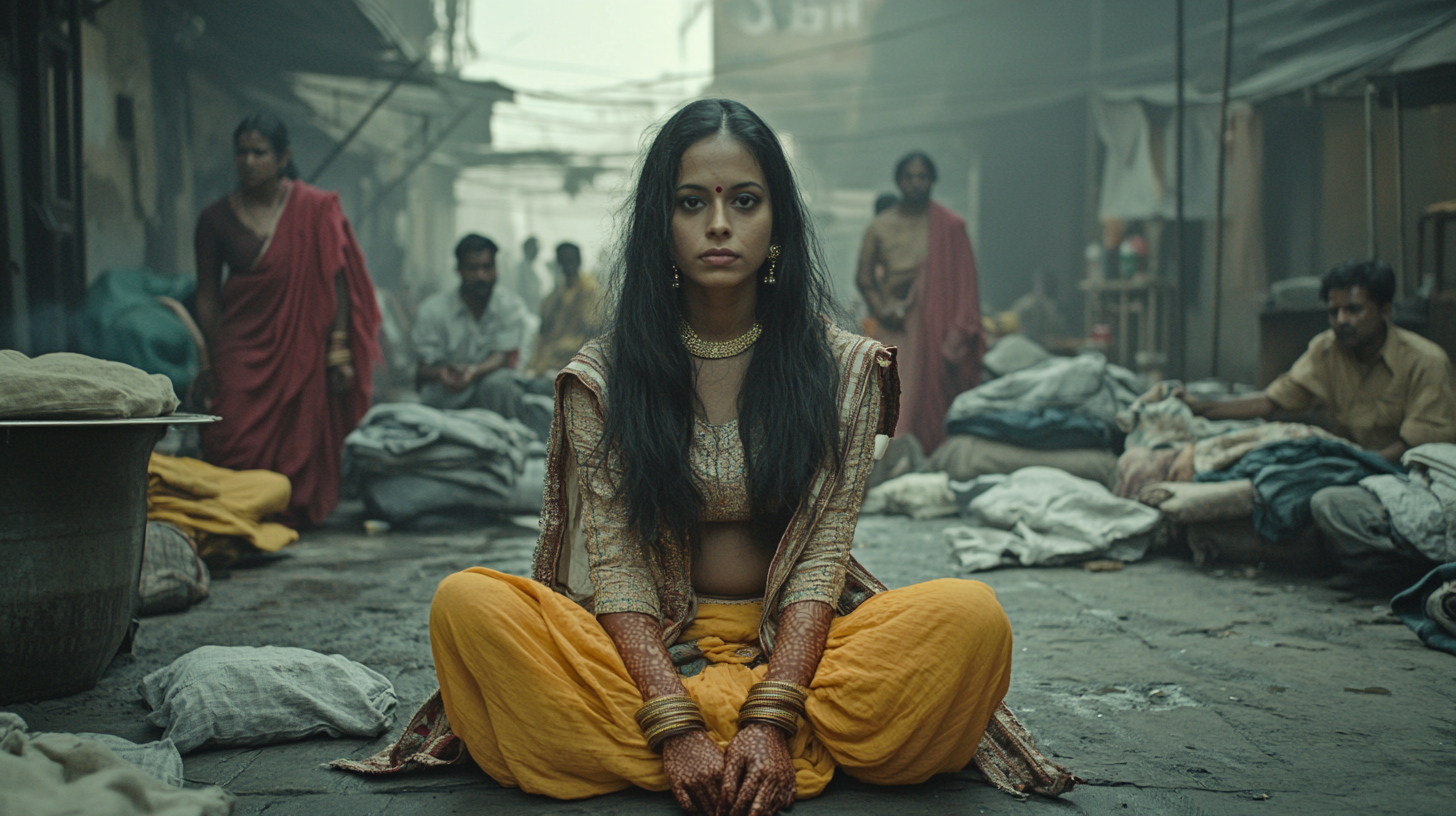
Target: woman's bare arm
{"points": [[693, 763]]}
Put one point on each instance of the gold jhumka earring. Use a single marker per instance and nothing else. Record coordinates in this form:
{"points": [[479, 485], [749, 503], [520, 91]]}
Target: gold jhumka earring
{"points": [[675, 283], [774, 251]]}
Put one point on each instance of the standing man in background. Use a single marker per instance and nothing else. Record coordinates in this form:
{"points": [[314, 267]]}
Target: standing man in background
{"points": [[924, 299]]}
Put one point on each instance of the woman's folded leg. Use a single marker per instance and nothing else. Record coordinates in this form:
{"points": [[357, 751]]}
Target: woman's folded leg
{"points": [[537, 690], [909, 680]]}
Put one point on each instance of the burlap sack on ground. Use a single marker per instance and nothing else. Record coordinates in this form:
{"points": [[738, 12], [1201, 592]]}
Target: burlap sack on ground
{"points": [[74, 386], [966, 457], [240, 695]]}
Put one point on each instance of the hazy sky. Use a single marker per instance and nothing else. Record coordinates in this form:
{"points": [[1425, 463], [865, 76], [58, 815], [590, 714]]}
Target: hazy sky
{"points": [[590, 52]]}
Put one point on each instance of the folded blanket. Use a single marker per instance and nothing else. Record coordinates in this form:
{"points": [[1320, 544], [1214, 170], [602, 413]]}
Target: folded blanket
{"points": [[1220, 451], [1422, 507], [1085, 383], [1043, 428], [1287, 474], [1429, 608]]}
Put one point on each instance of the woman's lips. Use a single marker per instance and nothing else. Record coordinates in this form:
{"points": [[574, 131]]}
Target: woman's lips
{"points": [[718, 257]]}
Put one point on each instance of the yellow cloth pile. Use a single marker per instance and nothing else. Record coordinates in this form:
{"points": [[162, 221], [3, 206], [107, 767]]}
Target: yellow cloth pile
{"points": [[214, 504]]}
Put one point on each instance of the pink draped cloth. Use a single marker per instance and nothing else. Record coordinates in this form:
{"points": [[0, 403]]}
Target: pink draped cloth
{"points": [[943, 357], [273, 388]]}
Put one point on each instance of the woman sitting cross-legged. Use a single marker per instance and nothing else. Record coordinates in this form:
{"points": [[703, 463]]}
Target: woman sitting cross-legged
{"points": [[696, 622]]}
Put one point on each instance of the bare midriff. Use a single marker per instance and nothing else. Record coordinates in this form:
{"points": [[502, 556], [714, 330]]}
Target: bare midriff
{"points": [[730, 563]]}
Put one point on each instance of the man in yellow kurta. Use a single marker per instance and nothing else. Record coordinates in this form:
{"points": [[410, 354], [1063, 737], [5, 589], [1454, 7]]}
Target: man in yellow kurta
{"points": [[569, 315], [1387, 390]]}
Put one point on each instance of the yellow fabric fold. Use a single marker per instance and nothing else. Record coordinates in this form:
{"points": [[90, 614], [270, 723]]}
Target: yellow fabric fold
{"points": [[207, 501], [537, 690]]}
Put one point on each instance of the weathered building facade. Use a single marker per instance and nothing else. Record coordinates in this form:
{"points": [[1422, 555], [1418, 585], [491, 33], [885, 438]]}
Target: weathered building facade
{"points": [[116, 123]]}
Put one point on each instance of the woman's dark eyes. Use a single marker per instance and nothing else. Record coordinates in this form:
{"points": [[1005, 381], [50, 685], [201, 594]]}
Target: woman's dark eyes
{"points": [[743, 201]]}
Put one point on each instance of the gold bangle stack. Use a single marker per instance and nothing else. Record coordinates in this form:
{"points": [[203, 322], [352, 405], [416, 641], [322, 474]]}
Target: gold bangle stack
{"points": [[775, 703], [338, 353], [338, 356], [667, 716]]}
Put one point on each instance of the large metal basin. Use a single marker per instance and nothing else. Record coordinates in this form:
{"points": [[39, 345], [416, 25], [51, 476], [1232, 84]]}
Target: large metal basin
{"points": [[73, 512]]}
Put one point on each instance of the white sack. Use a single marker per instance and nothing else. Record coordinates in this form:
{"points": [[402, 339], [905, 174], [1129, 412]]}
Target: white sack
{"points": [[918, 495], [240, 695]]}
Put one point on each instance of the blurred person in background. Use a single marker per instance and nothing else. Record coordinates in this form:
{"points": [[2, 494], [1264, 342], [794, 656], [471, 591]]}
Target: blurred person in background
{"points": [[468, 339], [924, 298], [527, 281], [697, 622], [292, 336], [570, 315]]}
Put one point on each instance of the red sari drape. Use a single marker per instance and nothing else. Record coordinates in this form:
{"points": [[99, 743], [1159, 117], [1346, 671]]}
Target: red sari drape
{"points": [[273, 389], [945, 327]]}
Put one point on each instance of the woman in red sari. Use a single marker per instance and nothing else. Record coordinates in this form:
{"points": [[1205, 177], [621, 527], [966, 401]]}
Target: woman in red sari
{"points": [[291, 334]]}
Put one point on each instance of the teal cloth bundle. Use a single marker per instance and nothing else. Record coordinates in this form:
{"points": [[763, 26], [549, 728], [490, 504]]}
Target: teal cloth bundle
{"points": [[124, 321]]}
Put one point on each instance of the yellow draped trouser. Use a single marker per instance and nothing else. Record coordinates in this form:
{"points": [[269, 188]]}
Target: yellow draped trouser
{"points": [[536, 689]]}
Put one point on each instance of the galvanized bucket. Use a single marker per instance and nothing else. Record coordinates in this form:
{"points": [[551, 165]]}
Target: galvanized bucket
{"points": [[73, 513]]}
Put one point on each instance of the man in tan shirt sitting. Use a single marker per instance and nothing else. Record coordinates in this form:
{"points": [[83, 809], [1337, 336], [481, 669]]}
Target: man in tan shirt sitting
{"points": [[1385, 388]]}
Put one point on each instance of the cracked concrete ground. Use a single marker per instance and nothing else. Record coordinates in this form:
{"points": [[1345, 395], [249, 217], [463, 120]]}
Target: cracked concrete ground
{"points": [[1172, 690]]}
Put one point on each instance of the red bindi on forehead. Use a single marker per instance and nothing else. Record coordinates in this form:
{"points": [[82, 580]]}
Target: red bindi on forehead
{"points": [[720, 189]]}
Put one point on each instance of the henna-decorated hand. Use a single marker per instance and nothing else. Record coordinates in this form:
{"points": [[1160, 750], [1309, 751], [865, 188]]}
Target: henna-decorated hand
{"points": [[758, 773], [694, 768]]}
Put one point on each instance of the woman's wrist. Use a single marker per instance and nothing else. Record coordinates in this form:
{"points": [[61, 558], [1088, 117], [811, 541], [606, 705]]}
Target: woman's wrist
{"points": [[668, 716], [776, 704]]}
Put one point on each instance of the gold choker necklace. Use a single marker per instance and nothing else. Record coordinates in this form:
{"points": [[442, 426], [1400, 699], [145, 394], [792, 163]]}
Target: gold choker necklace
{"points": [[698, 347]]}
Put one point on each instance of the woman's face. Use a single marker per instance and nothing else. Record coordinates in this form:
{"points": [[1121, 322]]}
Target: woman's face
{"points": [[722, 220], [258, 163]]}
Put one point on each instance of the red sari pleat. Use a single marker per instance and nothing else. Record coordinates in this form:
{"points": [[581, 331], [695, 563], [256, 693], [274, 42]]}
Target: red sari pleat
{"points": [[273, 390], [947, 341]]}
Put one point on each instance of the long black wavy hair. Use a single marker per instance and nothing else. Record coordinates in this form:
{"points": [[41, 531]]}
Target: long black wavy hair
{"points": [[787, 413]]}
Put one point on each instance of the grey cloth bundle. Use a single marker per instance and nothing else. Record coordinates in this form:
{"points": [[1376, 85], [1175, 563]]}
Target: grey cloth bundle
{"points": [[96, 774], [173, 577], [218, 696]]}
